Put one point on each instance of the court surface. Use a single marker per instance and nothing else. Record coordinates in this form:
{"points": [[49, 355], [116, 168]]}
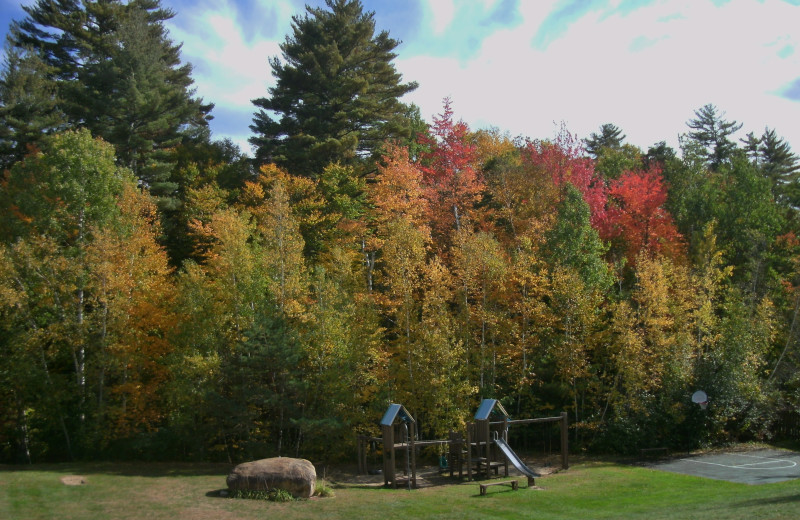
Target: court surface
{"points": [[750, 467]]}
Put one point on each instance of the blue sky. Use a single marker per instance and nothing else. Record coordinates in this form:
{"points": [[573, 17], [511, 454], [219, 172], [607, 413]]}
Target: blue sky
{"points": [[524, 66]]}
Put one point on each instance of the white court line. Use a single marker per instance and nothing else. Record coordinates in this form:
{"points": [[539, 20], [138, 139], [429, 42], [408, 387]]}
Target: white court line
{"points": [[767, 460]]}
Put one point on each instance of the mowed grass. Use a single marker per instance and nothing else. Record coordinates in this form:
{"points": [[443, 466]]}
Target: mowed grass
{"points": [[586, 491]]}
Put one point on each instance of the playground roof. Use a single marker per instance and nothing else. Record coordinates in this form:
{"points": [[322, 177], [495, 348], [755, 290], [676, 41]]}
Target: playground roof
{"points": [[393, 412], [490, 407]]}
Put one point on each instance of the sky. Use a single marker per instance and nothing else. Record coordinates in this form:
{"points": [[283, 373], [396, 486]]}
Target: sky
{"points": [[527, 66]]}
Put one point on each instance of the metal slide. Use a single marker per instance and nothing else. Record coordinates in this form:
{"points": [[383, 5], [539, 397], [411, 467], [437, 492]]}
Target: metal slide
{"points": [[515, 460]]}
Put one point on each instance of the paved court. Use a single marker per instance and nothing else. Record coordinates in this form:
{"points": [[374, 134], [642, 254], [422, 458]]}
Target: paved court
{"points": [[751, 467]]}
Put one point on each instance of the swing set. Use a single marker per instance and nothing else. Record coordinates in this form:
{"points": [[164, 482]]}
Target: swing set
{"points": [[484, 449]]}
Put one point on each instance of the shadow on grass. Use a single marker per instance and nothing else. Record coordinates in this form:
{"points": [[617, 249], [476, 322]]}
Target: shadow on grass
{"points": [[789, 499], [218, 493], [130, 469]]}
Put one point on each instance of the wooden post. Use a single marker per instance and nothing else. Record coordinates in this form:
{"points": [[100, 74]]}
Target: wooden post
{"points": [[487, 434], [361, 460], [505, 438], [469, 454], [413, 475], [564, 441], [388, 456]]}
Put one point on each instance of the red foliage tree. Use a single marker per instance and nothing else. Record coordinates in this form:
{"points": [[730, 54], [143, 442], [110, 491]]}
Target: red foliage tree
{"points": [[565, 160], [453, 183], [636, 214]]}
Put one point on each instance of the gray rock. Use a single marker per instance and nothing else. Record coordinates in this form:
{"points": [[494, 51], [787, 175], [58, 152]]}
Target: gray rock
{"points": [[297, 476]]}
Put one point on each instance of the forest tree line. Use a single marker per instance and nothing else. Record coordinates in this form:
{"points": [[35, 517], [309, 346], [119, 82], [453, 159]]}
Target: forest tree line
{"points": [[163, 295]]}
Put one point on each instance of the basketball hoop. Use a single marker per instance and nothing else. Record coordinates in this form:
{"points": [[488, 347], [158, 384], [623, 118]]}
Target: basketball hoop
{"points": [[700, 398]]}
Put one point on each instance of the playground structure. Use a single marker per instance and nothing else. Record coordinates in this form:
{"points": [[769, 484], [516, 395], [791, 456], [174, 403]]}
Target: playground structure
{"points": [[481, 434], [398, 423], [485, 448]]}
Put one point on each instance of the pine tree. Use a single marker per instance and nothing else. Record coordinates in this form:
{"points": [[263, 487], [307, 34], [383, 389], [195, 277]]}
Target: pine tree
{"points": [[609, 137], [781, 166], [752, 147], [29, 105], [118, 74], [711, 131], [337, 93], [140, 100]]}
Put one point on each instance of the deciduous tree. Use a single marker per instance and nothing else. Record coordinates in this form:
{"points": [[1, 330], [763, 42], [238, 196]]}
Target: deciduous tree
{"points": [[452, 180], [637, 214]]}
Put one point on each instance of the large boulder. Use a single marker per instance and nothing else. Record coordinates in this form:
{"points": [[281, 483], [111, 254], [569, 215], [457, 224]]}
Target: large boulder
{"points": [[297, 476]]}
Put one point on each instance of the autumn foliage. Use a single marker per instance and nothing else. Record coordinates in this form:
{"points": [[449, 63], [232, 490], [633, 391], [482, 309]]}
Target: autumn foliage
{"points": [[637, 215], [452, 181], [485, 267]]}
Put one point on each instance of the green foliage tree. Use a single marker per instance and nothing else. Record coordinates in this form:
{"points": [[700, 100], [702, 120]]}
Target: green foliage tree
{"points": [[90, 292], [732, 372], [336, 97], [574, 243], [344, 358], [749, 223], [612, 162], [660, 154], [63, 191]]}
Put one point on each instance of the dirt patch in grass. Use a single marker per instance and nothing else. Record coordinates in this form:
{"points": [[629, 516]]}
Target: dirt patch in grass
{"points": [[74, 480]]}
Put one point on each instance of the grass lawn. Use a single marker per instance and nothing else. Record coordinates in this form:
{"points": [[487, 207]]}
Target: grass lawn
{"points": [[189, 491]]}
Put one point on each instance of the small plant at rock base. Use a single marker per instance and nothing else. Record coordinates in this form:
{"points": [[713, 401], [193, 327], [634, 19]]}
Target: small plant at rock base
{"points": [[251, 494], [280, 495], [273, 495], [323, 490]]}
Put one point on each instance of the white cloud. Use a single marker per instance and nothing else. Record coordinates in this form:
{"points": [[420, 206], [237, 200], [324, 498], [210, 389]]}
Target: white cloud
{"points": [[646, 71], [230, 69], [442, 13]]}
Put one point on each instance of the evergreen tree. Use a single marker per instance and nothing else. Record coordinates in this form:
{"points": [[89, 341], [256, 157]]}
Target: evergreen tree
{"points": [[337, 93], [119, 75], [612, 163], [711, 131], [28, 105], [140, 100], [609, 137], [780, 165], [752, 147]]}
